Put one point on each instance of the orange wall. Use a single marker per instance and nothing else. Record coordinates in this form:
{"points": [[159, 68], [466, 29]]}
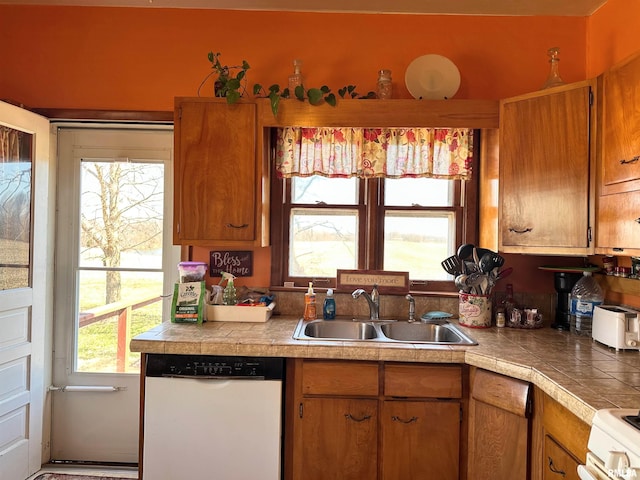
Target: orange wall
{"points": [[140, 58], [612, 35]]}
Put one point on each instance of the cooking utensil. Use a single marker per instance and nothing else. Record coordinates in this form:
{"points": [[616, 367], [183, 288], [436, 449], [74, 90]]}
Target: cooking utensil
{"points": [[461, 283], [465, 251], [487, 262], [504, 273], [452, 265], [473, 281]]}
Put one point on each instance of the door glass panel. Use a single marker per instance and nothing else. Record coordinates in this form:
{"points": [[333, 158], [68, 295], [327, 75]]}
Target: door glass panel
{"points": [[15, 208], [417, 241], [120, 275], [322, 241]]}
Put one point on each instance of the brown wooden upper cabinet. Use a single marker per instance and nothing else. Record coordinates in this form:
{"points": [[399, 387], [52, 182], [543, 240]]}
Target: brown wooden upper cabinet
{"points": [[621, 128], [217, 175], [545, 157], [618, 210]]}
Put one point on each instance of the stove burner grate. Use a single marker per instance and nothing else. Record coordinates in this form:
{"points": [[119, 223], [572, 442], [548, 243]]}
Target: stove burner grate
{"points": [[633, 420]]}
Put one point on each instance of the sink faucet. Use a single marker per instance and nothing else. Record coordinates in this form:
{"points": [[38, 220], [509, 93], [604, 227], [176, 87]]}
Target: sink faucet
{"points": [[412, 308], [373, 300]]}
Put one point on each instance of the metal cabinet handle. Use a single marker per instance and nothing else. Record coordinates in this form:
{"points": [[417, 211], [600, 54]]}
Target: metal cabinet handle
{"points": [[231, 225], [515, 230], [633, 160], [348, 416], [552, 467], [398, 419]]}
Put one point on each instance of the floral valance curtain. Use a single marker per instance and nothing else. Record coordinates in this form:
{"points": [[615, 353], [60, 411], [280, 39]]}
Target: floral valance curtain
{"points": [[375, 152]]}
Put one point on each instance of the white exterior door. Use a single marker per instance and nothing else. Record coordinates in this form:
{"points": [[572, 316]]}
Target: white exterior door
{"points": [[114, 268], [26, 260]]}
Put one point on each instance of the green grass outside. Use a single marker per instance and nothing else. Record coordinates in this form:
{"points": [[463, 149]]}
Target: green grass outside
{"points": [[97, 343]]}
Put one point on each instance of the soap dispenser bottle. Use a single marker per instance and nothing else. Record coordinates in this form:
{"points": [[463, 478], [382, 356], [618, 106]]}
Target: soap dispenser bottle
{"points": [[310, 304], [329, 306]]}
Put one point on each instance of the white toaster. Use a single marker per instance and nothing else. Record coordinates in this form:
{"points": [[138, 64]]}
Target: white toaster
{"points": [[616, 327]]}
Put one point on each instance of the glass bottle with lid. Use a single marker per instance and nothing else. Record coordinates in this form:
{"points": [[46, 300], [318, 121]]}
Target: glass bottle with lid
{"points": [[295, 79], [384, 87], [554, 79]]}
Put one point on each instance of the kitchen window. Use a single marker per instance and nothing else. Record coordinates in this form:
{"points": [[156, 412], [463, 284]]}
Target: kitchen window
{"points": [[321, 224]]}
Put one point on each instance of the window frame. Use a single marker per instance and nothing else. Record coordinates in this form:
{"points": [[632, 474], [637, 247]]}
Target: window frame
{"points": [[371, 235]]}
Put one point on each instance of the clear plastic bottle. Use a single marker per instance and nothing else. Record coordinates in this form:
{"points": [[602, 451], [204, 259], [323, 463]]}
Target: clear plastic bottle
{"points": [[585, 295], [329, 306]]}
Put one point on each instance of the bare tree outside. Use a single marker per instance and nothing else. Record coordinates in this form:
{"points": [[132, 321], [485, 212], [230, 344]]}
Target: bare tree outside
{"points": [[121, 211]]}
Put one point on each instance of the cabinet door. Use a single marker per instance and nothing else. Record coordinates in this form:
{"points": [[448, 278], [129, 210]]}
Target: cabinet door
{"points": [[498, 428], [338, 439], [420, 440], [619, 223], [559, 463], [544, 172], [621, 127], [215, 172]]}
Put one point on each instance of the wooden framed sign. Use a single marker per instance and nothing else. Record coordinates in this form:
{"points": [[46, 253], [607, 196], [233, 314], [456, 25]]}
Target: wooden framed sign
{"points": [[388, 282], [237, 263]]}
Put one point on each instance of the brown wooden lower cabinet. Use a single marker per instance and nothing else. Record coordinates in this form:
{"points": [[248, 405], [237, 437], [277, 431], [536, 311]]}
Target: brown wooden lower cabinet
{"points": [[560, 464], [339, 438], [404, 421], [369, 420], [420, 440], [560, 440], [499, 427]]}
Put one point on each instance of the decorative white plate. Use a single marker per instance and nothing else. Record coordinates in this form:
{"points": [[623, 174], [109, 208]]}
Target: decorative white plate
{"points": [[432, 77]]}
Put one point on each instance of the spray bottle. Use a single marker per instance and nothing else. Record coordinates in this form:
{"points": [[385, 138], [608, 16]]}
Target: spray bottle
{"points": [[310, 303], [229, 294]]}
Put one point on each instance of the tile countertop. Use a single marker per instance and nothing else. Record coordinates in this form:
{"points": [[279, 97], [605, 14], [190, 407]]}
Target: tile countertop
{"points": [[580, 374]]}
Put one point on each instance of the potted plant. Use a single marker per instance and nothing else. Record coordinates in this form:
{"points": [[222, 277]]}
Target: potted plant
{"points": [[230, 81]]}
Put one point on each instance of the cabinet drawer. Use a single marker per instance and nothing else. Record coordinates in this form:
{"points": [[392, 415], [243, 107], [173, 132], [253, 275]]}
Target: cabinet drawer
{"points": [[339, 378], [402, 380]]}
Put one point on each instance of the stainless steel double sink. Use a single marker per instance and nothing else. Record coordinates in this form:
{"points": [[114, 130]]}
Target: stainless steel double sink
{"points": [[436, 332]]}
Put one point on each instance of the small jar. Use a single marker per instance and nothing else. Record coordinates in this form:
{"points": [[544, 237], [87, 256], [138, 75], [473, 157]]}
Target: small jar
{"points": [[500, 320], [385, 87], [609, 264]]}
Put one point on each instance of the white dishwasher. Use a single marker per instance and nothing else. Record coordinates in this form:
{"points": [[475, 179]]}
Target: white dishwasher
{"points": [[212, 417]]}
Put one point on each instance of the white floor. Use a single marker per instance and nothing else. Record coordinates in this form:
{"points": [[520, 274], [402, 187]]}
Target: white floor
{"points": [[118, 472]]}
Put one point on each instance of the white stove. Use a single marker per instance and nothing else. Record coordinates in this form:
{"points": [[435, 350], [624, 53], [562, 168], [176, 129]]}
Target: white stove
{"points": [[614, 446]]}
